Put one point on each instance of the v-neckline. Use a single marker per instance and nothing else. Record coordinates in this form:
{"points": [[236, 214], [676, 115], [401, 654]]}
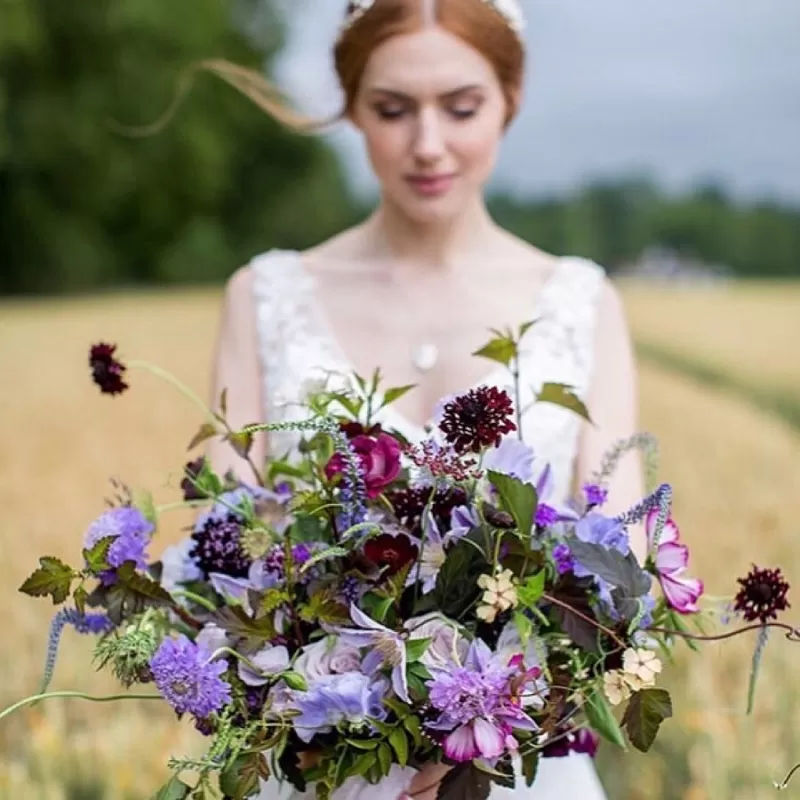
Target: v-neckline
{"points": [[409, 428]]}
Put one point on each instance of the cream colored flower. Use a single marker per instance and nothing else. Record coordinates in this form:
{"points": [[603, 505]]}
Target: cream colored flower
{"points": [[616, 687], [499, 594], [640, 667]]}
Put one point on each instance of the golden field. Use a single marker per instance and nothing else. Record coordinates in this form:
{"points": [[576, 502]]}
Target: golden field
{"points": [[736, 474]]}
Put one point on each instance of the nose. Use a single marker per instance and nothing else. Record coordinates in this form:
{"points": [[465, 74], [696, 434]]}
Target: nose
{"points": [[429, 139]]}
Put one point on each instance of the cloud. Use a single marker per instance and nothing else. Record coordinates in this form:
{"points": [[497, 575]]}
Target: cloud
{"points": [[688, 91]]}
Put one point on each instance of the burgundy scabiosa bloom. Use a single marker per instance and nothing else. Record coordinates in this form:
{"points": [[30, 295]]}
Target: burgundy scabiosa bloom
{"points": [[390, 551], [107, 370], [762, 596], [478, 419]]}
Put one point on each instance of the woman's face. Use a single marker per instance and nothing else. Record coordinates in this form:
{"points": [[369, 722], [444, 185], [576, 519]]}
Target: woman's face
{"points": [[433, 113]]}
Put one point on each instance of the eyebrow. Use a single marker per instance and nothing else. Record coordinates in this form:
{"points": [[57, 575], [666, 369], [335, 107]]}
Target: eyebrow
{"points": [[443, 96]]}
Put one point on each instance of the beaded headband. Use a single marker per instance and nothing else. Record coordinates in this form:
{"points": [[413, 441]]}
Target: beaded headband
{"points": [[509, 10]]}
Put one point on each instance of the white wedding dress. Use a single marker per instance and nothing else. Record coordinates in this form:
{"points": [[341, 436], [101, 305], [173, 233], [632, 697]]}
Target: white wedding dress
{"points": [[297, 347]]}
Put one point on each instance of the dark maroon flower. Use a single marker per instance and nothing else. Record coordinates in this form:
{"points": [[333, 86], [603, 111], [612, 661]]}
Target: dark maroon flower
{"points": [[478, 419], [576, 741], [390, 551], [192, 472], [762, 596], [408, 505], [107, 371], [218, 547], [380, 461]]}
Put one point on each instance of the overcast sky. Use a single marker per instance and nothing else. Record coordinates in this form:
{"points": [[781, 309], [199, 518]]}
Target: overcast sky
{"points": [[687, 91]]}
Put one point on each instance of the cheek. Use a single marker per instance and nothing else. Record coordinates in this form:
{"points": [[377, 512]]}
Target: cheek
{"points": [[386, 146], [476, 148]]}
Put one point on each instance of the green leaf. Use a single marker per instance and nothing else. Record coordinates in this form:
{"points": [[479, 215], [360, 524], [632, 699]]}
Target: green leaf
{"points": [[416, 685], [240, 780], [376, 607], [143, 500], [602, 720], [531, 592], [420, 670], [223, 402], [398, 706], [53, 578], [524, 627], [412, 724], [363, 744], [465, 782], [235, 621], [96, 558], [530, 766], [399, 743], [519, 499], [620, 571], [207, 431], [525, 327], [395, 393], [564, 396], [241, 442], [79, 597], [646, 710], [501, 350], [415, 648], [363, 764], [384, 758], [173, 789]]}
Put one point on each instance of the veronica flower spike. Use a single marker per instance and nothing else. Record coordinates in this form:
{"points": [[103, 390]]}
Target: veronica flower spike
{"points": [[671, 560], [387, 649]]}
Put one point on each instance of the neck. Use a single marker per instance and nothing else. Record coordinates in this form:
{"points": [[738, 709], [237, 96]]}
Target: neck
{"points": [[430, 246]]}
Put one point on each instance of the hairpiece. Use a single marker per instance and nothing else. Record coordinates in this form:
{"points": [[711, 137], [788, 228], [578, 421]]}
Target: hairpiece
{"points": [[510, 10]]}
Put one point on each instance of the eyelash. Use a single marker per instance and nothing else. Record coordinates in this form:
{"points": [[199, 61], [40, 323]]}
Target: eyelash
{"points": [[458, 114]]}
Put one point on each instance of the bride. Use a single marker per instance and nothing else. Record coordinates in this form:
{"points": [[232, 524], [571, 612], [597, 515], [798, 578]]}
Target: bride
{"points": [[432, 86]]}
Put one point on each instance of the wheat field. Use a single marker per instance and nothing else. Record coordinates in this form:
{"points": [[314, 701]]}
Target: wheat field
{"points": [[736, 474]]}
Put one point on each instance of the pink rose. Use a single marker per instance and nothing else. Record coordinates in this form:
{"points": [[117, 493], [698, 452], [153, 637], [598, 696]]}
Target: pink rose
{"points": [[380, 461]]}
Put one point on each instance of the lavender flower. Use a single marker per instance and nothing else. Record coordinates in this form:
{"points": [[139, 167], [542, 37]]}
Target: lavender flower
{"points": [[130, 530], [478, 705], [387, 649], [352, 699], [189, 682], [565, 562]]}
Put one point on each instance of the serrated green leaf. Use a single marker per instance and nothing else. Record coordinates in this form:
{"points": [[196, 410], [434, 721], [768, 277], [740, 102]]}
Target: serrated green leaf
{"points": [[560, 395], [53, 578], [399, 743], [96, 557], [206, 431], [384, 758], [646, 710], [79, 597], [519, 499], [502, 350], [133, 593], [415, 649], [173, 789], [240, 780], [602, 720]]}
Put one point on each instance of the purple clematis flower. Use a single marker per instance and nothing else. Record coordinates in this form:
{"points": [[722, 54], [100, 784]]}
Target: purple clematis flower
{"points": [[387, 649], [269, 662], [479, 706], [671, 560], [549, 511], [432, 554], [511, 457], [352, 698], [463, 519]]}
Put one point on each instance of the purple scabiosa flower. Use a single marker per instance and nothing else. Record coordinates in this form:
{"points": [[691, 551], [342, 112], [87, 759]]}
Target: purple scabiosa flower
{"points": [[189, 682], [352, 699], [595, 494], [479, 706], [387, 648], [131, 532]]}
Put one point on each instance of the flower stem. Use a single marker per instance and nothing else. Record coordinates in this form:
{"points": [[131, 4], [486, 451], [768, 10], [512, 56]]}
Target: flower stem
{"points": [[556, 602], [82, 695], [792, 634], [195, 598], [177, 384]]}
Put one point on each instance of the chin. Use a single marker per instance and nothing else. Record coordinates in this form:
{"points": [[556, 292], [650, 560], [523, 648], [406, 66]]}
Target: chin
{"points": [[426, 211]]}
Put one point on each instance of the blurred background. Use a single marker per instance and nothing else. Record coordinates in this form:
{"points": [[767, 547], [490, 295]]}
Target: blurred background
{"points": [[660, 140]]}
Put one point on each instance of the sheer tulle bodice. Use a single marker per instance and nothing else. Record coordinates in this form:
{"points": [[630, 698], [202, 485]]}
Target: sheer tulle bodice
{"points": [[298, 350]]}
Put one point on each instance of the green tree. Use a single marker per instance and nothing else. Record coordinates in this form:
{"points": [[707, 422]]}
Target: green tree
{"points": [[83, 203]]}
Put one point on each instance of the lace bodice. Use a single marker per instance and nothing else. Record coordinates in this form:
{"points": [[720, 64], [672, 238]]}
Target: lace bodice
{"points": [[298, 350]]}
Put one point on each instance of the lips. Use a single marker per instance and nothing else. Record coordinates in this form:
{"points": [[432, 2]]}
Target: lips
{"points": [[431, 185]]}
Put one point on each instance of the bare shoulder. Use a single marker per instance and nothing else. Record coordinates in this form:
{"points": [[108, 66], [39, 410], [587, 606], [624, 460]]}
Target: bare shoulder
{"points": [[239, 290]]}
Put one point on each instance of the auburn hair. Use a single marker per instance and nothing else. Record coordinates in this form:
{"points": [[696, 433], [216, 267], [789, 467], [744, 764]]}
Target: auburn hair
{"points": [[475, 22]]}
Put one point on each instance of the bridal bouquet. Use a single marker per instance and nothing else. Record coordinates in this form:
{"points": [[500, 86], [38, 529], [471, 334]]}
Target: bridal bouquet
{"points": [[369, 606]]}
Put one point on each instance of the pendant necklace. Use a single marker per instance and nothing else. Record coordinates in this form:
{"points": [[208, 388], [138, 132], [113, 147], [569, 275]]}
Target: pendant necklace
{"points": [[424, 357]]}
